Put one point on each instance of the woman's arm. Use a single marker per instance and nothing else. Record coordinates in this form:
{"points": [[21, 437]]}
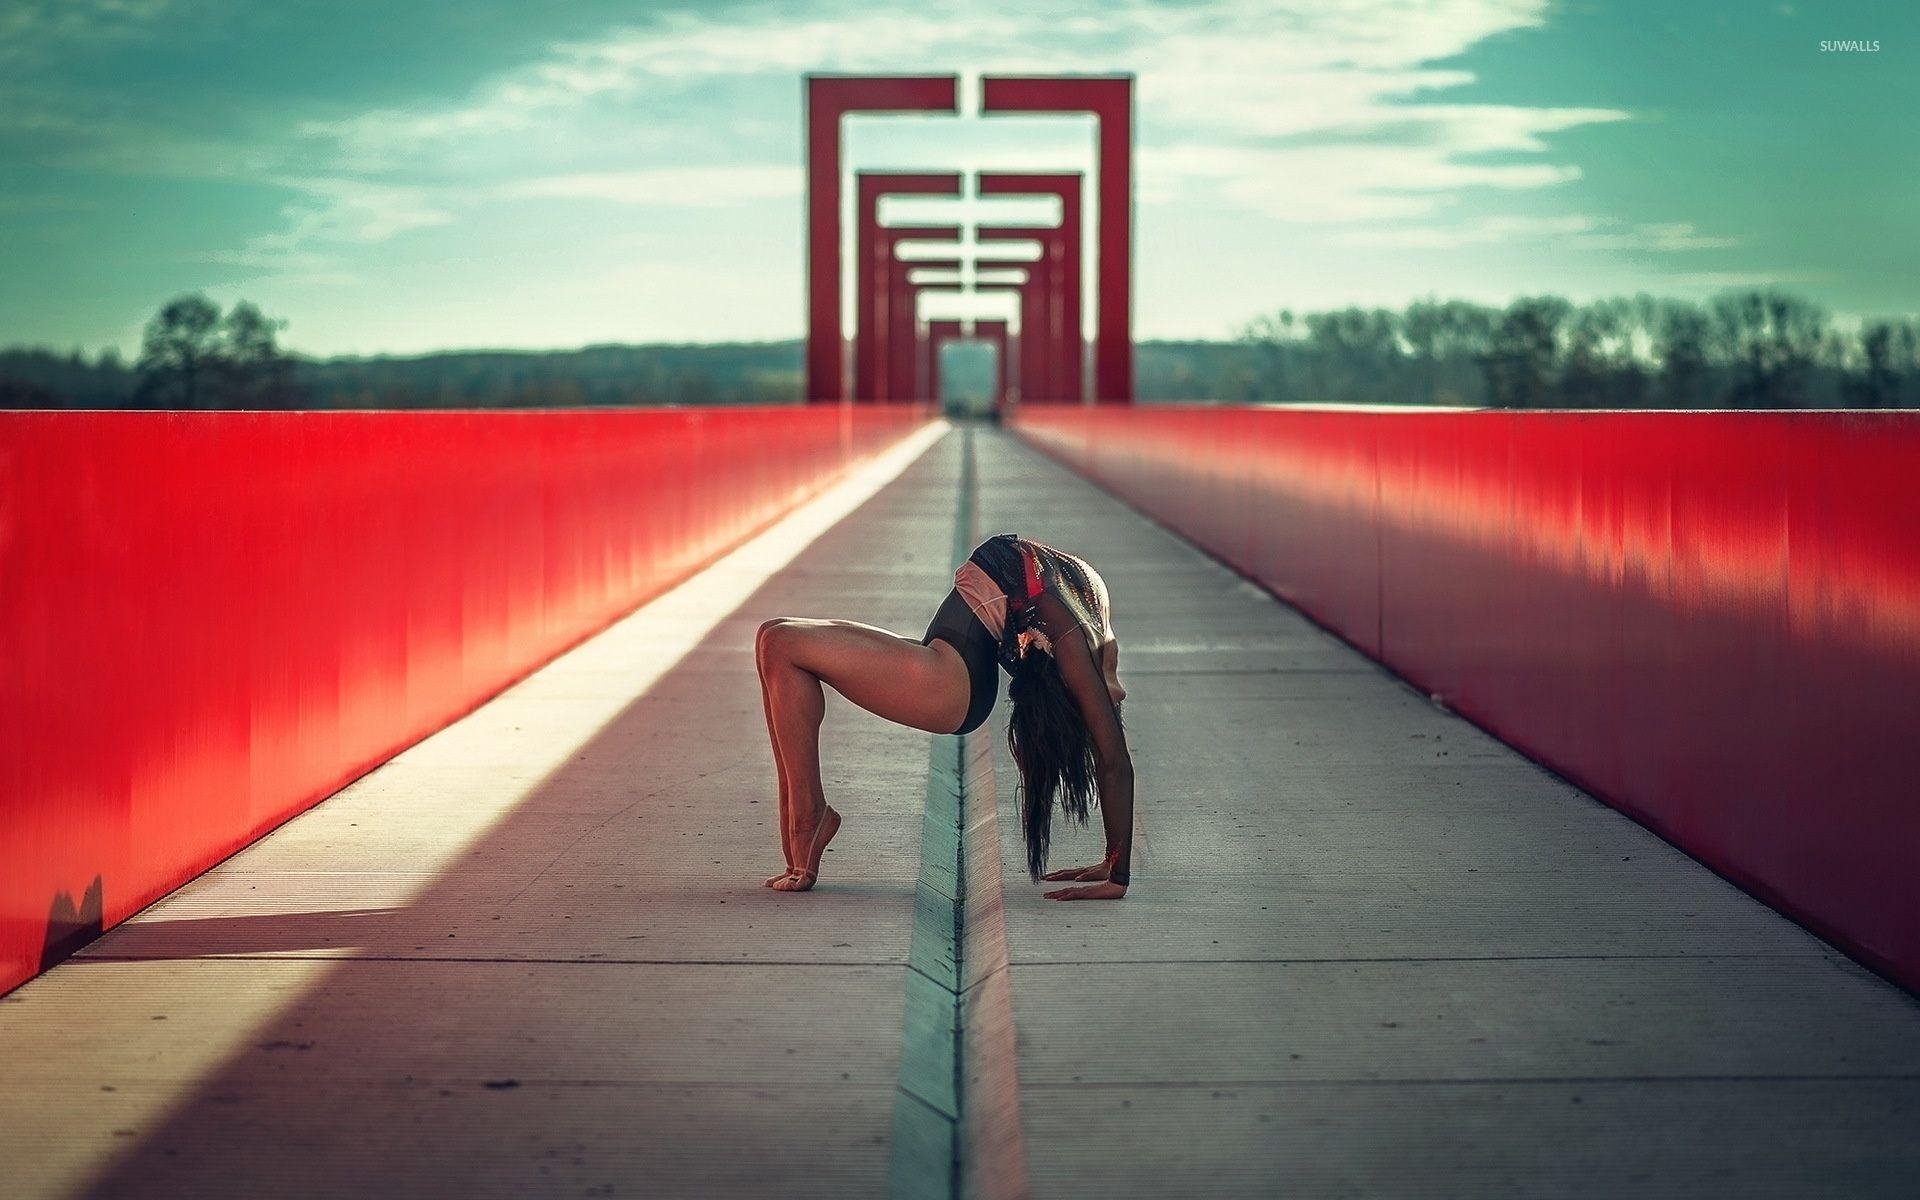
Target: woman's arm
{"points": [[1086, 682]]}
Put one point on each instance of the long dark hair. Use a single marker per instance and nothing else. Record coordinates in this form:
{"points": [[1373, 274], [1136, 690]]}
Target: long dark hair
{"points": [[1049, 742]]}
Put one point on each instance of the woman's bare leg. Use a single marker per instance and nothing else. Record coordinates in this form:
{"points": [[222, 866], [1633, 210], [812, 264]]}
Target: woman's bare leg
{"points": [[898, 678], [780, 768]]}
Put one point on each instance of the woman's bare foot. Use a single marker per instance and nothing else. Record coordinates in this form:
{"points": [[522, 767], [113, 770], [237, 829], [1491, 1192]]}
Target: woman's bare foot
{"points": [[786, 848], [802, 878], [786, 843]]}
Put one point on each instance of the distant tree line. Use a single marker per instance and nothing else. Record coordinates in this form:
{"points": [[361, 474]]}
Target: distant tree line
{"points": [[191, 357], [594, 377], [194, 357], [1743, 349]]}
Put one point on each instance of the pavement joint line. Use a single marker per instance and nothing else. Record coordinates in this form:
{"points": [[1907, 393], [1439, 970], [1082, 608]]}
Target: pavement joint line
{"points": [[1470, 958], [1179, 671], [474, 960], [1460, 1081], [993, 1166], [956, 1038]]}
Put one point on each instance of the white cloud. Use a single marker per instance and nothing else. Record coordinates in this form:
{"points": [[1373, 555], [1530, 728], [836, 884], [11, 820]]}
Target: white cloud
{"points": [[1333, 184], [29, 28], [1487, 231], [678, 52], [664, 186], [285, 266], [1673, 235], [1308, 111], [1299, 109], [1705, 281], [1574, 229], [354, 210], [334, 214]]}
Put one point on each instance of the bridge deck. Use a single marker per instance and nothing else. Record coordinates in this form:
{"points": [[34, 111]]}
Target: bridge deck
{"points": [[1374, 952], [1370, 950]]}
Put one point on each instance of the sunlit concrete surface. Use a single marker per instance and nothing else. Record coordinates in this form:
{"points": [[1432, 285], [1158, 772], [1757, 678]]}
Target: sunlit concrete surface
{"points": [[531, 955], [1373, 952], [1369, 951]]}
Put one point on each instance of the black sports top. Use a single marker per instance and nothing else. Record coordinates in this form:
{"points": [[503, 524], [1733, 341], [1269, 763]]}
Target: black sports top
{"points": [[1023, 568]]}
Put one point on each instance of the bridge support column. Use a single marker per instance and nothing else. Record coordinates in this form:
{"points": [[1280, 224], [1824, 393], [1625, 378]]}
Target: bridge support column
{"points": [[901, 353], [1109, 99], [1061, 251], [1043, 319], [828, 99], [873, 247]]}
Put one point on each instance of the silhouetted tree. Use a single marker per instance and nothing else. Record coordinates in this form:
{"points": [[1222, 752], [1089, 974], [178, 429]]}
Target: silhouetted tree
{"points": [[1522, 358], [191, 357], [178, 351], [17, 393], [1878, 383], [1464, 332], [1680, 337], [1905, 356], [1422, 325], [1275, 339], [1354, 350], [253, 373], [1770, 341], [1598, 367]]}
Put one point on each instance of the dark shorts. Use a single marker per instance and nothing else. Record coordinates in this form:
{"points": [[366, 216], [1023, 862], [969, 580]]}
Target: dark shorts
{"points": [[956, 625]]}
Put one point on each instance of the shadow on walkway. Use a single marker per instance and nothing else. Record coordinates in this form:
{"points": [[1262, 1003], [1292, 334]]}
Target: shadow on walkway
{"points": [[597, 996]]}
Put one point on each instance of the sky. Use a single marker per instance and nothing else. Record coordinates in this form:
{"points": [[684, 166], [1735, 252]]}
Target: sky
{"points": [[395, 177]]}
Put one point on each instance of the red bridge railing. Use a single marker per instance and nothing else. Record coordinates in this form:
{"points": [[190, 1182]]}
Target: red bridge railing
{"points": [[209, 621], [1711, 620]]}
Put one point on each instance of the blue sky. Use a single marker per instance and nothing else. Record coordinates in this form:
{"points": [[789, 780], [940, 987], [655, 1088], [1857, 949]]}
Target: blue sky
{"points": [[395, 177]]}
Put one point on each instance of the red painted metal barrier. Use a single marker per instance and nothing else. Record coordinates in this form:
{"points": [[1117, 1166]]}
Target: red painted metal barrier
{"points": [[209, 621], [1711, 620]]}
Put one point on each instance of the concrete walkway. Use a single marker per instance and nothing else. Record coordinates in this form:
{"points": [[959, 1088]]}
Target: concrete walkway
{"points": [[1373, 952], [531, 955], [1369, 952]]}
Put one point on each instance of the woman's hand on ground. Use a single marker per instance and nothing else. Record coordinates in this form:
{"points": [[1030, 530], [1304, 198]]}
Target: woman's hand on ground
{"points": [[1092, 874], [1104, 890]]}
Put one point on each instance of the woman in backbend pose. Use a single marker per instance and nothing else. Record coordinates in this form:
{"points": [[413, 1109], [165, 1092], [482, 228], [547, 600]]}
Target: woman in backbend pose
{"points": [[1016, 603]]}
